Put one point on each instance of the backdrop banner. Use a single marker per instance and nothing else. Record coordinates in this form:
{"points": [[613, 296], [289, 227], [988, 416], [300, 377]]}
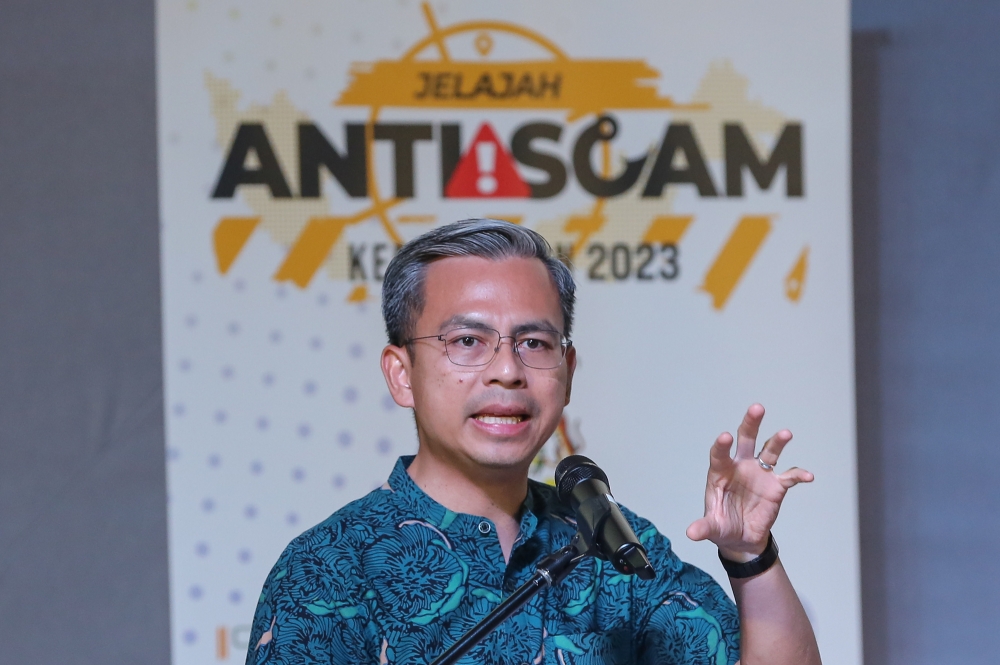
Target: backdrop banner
{"points": [[690, 160]]}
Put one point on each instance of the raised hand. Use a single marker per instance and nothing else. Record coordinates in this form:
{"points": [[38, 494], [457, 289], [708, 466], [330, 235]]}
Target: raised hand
{"points": [[743, 494]]}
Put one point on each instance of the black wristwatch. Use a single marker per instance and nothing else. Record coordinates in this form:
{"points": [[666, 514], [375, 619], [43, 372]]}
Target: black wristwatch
{"points": [[756, 566]]}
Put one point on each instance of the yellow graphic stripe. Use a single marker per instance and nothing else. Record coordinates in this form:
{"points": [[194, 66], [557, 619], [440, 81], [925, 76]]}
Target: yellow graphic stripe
{"points": [[796, 278], [588, 225], [513, 219], [500, 26], [416, 219], [229, 237], [313, 245], [735, 257], [358, 294], [667, 229], [585, 225], [435, 31], [580, 86], [310, 249], [379, 206]]}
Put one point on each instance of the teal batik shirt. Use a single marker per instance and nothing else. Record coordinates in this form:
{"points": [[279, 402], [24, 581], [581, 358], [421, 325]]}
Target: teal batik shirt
{"points": [[396, 578]]}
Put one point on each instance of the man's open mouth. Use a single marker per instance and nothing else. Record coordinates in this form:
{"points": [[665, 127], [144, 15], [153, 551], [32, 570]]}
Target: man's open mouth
{"points": [[500, 420]]}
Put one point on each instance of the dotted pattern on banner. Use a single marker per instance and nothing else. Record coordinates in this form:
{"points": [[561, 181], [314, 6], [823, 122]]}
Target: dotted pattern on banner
{"points": [[277, 413]]}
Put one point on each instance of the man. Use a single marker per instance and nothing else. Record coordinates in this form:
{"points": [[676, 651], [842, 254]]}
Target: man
{"points": [[478, 315]]}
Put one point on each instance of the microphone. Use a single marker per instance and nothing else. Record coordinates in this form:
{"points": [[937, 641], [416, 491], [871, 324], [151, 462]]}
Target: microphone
{"points": [[581, 484]]}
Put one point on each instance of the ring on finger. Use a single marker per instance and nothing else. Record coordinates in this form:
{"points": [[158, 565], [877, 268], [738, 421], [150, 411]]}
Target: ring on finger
{"points": [[764, 465]]}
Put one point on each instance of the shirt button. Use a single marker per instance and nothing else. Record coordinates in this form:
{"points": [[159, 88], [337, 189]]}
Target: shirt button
{"points": [[484, 527]]}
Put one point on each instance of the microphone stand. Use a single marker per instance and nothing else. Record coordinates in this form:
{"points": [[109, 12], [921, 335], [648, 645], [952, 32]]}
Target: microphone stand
{"points": [[550, 571]]}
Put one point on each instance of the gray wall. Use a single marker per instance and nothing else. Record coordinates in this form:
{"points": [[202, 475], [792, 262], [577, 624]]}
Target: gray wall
{"points": [[82, 519], [83, 566], [927, 215]]}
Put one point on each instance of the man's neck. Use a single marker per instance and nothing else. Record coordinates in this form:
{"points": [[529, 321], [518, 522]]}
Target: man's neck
{"points": [[484, 492], [495, 495]]}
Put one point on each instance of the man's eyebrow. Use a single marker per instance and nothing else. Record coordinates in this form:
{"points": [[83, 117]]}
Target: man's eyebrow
{"points": [[534, 326], [465, 321]]}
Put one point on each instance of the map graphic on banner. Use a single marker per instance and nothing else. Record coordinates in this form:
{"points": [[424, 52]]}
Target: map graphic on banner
{"points": [[689, 163]]}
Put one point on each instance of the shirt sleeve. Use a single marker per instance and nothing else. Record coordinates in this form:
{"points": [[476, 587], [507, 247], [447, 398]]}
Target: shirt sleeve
{"points": [[683, 616], [311, 612]]}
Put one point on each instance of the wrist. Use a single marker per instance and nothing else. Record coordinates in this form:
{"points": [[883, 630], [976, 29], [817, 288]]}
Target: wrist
{"points": [[742, 556], [741, 565]]}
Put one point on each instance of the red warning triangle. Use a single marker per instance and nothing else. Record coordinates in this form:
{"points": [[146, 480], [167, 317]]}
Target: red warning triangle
{"points": [[486, 171]]}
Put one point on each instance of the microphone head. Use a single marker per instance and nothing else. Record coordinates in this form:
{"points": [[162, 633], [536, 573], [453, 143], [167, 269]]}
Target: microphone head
{"points": [[572, 471]]}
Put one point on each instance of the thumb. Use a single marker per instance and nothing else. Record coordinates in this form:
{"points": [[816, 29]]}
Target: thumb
{"points": [[700, 529]]}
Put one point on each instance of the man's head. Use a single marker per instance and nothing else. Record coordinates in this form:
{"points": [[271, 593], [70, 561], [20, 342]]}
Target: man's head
{"points": [[403, 294], [444, 295]]}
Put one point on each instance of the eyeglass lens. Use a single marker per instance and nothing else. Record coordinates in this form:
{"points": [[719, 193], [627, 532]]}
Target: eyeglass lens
{"points": [[469, 347]]}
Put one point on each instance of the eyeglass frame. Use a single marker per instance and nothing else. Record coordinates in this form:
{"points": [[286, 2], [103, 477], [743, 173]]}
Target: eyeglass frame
{"points": [[565, 344]]}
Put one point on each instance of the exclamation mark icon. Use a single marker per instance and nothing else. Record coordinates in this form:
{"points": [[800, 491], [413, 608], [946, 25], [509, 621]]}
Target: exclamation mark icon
{"points": [[486, 160], [486, 170]]}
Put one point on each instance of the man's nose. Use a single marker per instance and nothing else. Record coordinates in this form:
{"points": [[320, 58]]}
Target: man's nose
{"points": [[506, 367]]}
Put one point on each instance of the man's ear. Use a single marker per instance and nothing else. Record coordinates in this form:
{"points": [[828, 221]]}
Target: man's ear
{"points": [[396, 368], [570, 369]]}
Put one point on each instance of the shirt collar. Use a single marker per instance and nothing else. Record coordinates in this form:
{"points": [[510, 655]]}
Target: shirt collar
{"points": [[409, 492], [403, 486]]}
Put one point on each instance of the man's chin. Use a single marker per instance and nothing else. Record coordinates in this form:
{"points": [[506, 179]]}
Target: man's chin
{"points": [[504, 457]]}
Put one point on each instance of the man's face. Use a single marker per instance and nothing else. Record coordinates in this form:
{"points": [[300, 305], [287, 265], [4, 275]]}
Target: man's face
{"points": [[499, 415]]}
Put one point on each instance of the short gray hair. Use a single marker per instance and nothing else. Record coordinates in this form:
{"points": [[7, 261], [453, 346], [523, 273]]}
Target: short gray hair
{"points": [[403, 285]]}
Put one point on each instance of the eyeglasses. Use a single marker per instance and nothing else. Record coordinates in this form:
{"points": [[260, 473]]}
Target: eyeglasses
{"points": [[475, 347]]}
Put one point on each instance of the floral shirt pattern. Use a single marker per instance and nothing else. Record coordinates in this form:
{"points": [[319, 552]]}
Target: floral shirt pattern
{"points": [[396, 578]]}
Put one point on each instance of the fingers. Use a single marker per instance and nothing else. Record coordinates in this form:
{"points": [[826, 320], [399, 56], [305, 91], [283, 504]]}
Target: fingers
{"points": [[746, 440], [721, 449], [699, 529], [746, 435], [794, 476], [772, 448]]}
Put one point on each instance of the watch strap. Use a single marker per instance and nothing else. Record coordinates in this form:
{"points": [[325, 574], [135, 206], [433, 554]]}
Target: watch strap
{"points": [[755, 566]]}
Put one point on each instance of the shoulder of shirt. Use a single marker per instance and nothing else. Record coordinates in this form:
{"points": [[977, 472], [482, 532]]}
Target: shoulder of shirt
{"points": [[379, 509], [547, 493]]}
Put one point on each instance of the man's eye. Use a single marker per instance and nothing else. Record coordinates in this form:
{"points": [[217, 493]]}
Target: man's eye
{"points": [[465, 341], [535, 344]]}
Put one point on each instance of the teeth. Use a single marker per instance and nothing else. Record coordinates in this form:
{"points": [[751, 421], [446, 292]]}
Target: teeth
{"points": [[500, 420]]}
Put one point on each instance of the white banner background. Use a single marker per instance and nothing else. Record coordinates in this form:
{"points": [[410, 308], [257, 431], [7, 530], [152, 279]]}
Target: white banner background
{"points": [[277, 414]]}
